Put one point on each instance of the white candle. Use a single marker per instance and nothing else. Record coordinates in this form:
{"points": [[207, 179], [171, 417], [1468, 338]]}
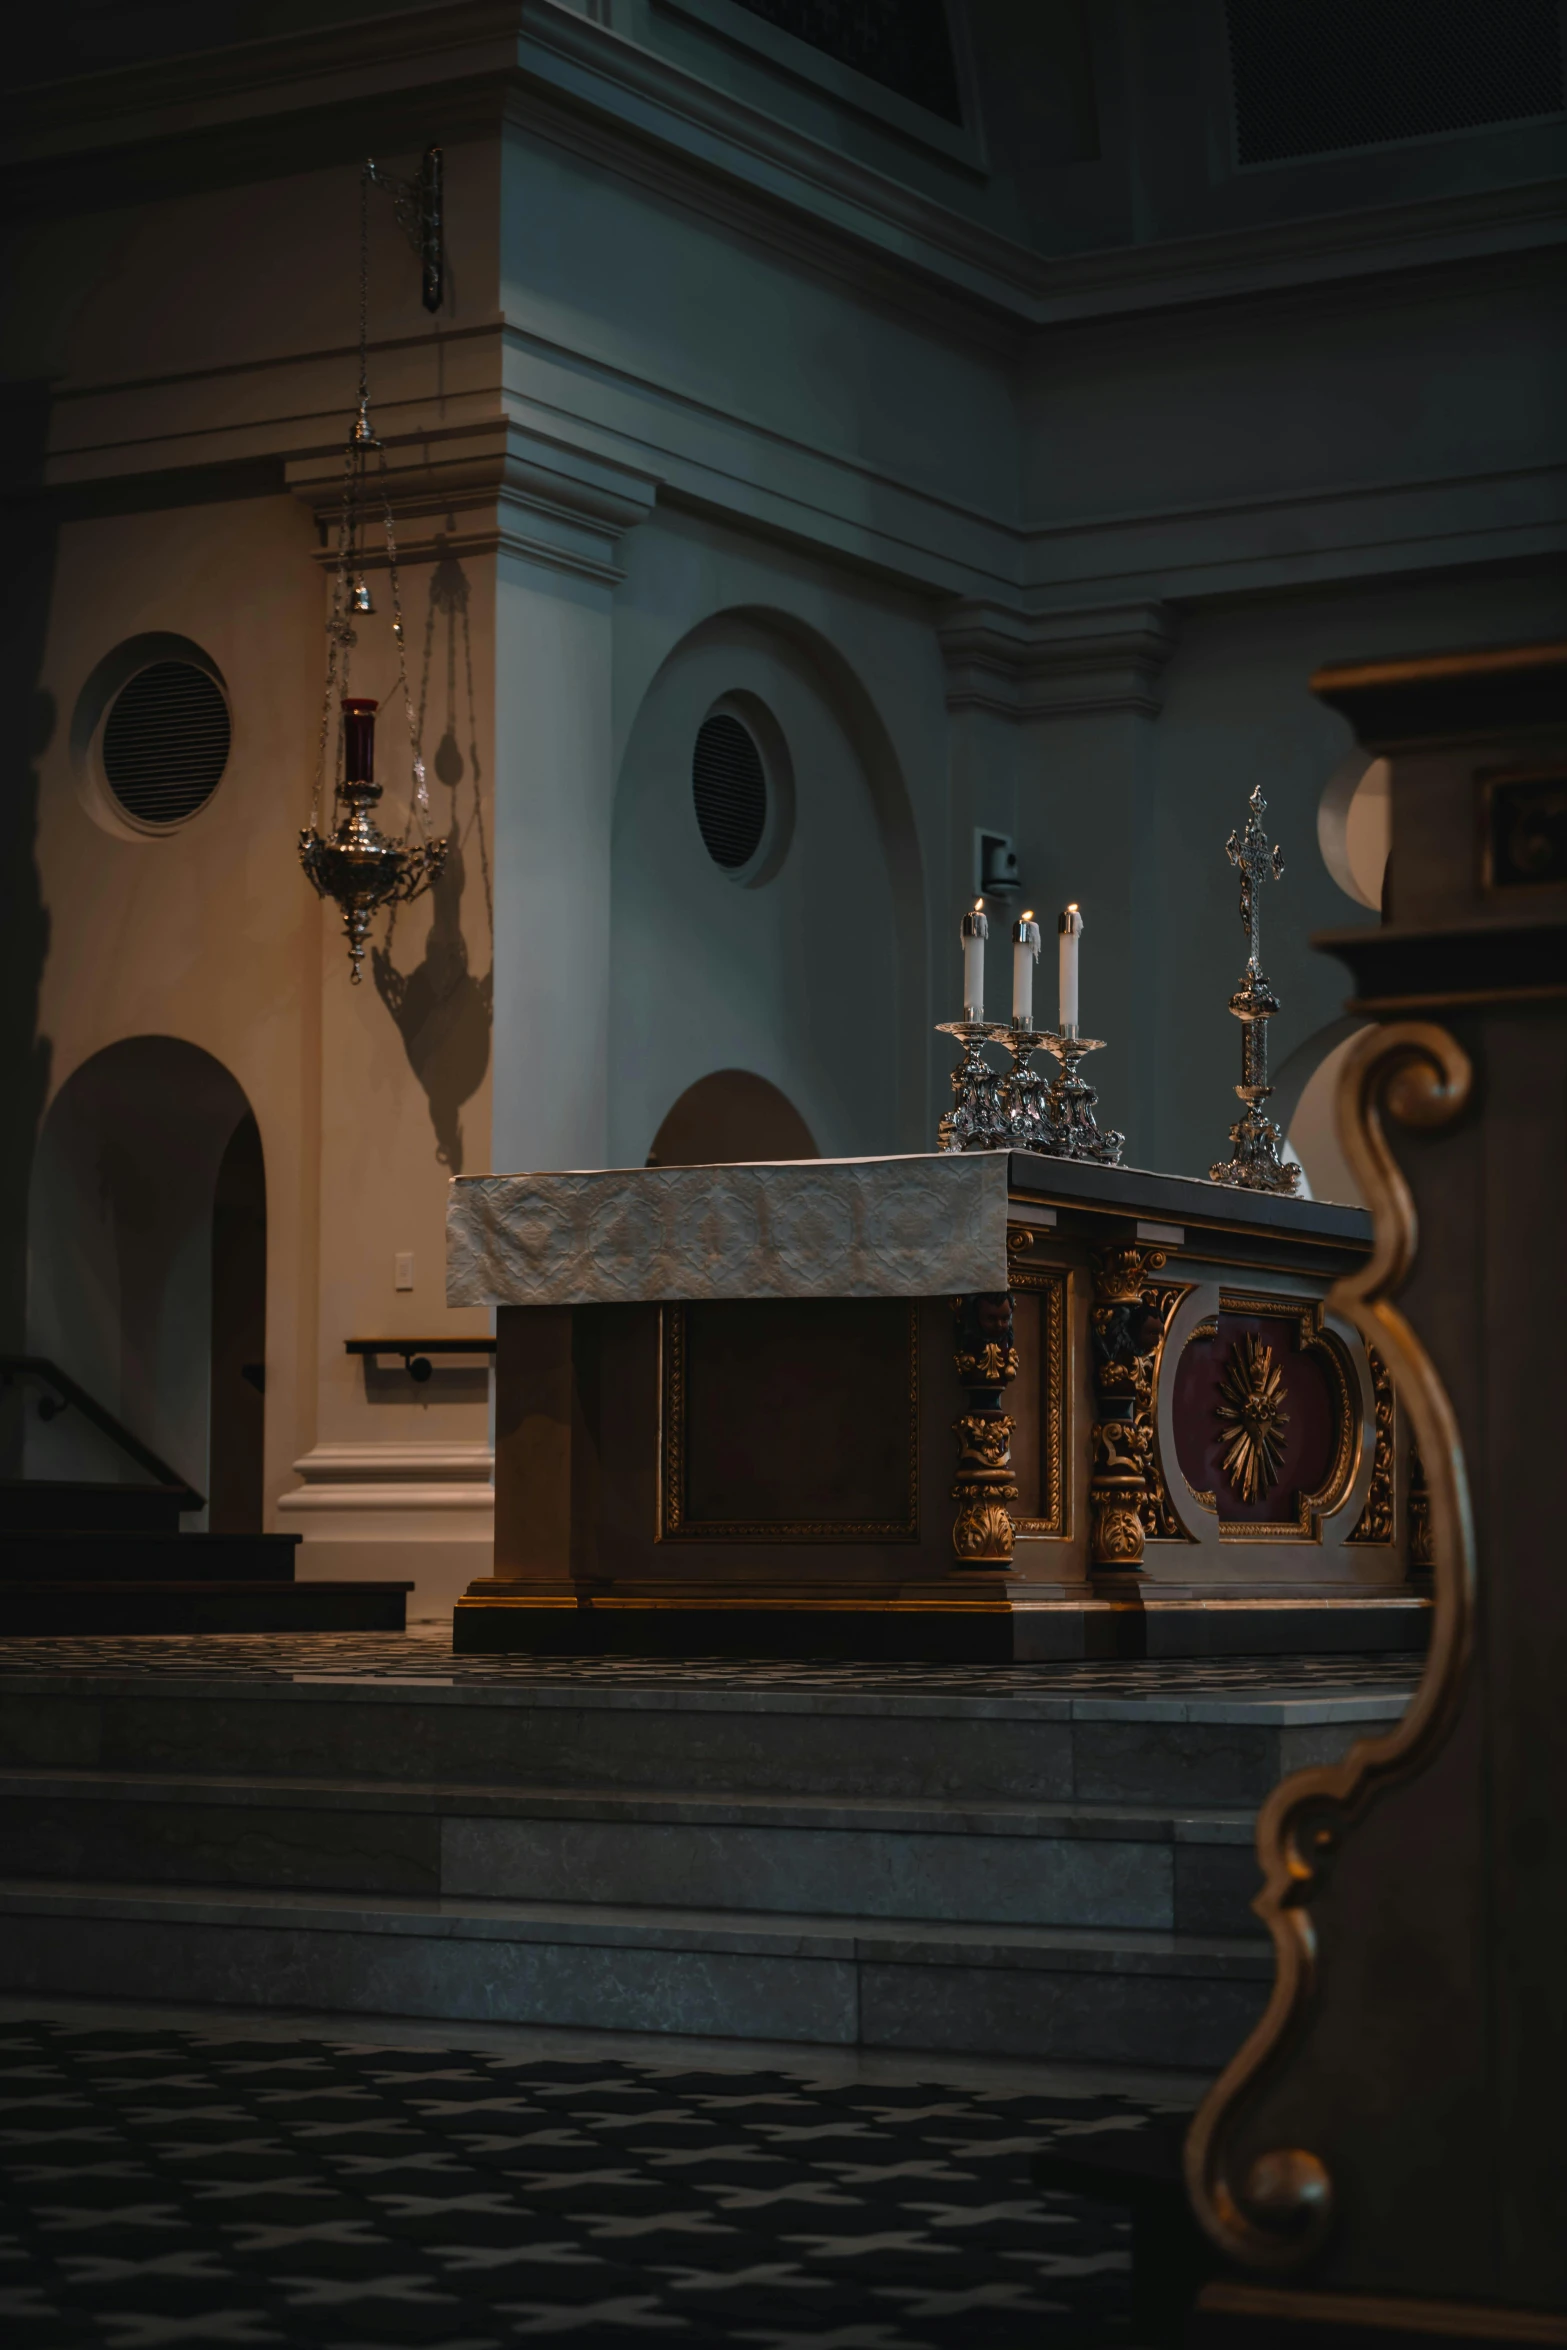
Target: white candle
{"points": [[975, 932], [1025, 954], [1071, 929]]}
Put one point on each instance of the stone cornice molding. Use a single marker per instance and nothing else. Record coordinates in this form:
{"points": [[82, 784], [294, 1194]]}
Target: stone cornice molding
{"points": [[1026, 665], [664, 120], [491, 487]]}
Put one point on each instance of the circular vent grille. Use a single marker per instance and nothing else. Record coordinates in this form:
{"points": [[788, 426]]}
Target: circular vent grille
{"points": [[730, 790], [166, 742]]}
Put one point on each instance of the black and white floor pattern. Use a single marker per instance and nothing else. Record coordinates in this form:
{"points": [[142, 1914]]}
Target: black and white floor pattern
{"points": [[175, 2187], [424, 1653]]}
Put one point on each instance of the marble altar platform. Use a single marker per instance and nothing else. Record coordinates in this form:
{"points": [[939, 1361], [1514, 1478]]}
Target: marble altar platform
{"points": [[1046, 1863], [951, 1406]]}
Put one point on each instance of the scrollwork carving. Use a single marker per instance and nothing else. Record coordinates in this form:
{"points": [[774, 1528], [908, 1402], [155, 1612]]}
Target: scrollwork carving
{"points": [[1273, 2212], [1125, 1327], [1375, 1523]]}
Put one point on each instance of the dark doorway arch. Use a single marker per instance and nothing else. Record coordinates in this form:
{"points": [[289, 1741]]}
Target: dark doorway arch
{"points": [[730, 1118], [148, 1221], [237, 1429]]}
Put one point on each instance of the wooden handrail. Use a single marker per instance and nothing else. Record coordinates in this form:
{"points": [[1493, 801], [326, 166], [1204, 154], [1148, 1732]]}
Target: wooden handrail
{"points": [[416, 1352]]}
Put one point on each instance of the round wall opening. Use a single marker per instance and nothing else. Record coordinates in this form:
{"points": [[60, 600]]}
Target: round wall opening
{"points": [[165, 743], [729, 788]]}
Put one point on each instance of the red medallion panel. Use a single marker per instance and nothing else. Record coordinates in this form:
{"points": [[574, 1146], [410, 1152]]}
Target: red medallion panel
{"points": [[1264, 1425]]}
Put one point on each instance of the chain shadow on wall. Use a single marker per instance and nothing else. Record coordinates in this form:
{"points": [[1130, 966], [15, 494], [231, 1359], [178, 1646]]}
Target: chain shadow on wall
{"points": [[442, 1009]]}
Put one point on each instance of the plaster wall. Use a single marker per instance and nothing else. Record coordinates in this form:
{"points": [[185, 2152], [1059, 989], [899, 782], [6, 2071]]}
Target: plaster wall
{"points": [[209, 935], [188, 935], [1325, 395], [628, 298], [824, 975]]}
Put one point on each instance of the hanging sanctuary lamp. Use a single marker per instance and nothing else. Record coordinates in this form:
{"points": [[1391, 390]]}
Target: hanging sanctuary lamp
{"points": [[355, 864]]}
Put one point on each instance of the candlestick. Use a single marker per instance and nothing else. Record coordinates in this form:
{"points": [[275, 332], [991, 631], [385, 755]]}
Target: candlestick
{"points": [[1072, 1132], [977, 1120], [975, 932], [1070, 927], [1025, 954], [1021, 1095]]}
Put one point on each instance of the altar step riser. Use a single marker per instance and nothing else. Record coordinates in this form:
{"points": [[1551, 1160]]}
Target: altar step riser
{"points": [[1051, 1876], [1035, 1749], [1193, 1874], [1153, 2000], [116, 1601], [130, 1555]]}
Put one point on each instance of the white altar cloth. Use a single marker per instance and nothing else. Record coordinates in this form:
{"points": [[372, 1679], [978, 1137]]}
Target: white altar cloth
{"points": [[921, 1226]]}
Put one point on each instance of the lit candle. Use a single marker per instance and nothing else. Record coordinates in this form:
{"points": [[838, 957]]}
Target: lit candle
{"points": [[1025, 954], [975, 932], [1071, 929]]}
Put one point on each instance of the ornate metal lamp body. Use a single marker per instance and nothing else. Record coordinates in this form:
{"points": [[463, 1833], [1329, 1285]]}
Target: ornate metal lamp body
{"points": [[356, 866], [1255, 1162]]}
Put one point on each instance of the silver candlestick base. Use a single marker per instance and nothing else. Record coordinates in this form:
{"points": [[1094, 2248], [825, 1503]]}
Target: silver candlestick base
{"points": [[1255, 1163], [1073, 1130], [976, 1120], [1023, 1095]]}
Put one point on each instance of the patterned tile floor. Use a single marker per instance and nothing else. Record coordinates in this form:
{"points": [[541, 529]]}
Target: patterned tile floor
{"points": [[426, 1654], [223, 2185]]}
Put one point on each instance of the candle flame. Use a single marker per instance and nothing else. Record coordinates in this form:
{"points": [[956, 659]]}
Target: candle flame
{"points": [[979, 905], [1029, 915]]}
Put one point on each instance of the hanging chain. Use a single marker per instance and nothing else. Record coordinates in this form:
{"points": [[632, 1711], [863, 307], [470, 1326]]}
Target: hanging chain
{"points": [[365, 177], [420, 805], [341, 635]]}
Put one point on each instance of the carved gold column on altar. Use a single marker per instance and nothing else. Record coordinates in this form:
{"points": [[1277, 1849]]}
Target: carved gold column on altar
{"points": [[1384, 2154], [986, 1361], [1125, 1329]]}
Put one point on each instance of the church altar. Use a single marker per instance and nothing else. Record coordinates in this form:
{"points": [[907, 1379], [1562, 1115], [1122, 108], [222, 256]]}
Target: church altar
{"points": [[977, 1405]]}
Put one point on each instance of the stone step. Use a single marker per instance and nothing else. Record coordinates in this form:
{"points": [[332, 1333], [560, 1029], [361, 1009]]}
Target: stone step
{"points": [[1090, 1865], [165, 1606], [1171, 1751], [1114, 1997]]}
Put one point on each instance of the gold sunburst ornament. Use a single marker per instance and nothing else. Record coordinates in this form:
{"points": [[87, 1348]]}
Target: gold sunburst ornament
{"points": [[1252, 1401]]}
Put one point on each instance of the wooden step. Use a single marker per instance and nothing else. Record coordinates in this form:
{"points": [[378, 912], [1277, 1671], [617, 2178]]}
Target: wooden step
{"points": [[104, 1555], [59, 1606]]}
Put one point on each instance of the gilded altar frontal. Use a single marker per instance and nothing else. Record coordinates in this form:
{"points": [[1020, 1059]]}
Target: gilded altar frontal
{"points": [[782, 989]]}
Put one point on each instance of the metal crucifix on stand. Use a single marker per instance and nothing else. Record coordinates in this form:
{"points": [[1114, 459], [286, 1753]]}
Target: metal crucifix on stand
{"points": [[1256, 1145]]}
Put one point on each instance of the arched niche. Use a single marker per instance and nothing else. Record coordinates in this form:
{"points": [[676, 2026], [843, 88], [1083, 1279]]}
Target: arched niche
{"points": [[730, 1118], [805, 965], [1354, 827], [1305, 1103], [148, 1163]]}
